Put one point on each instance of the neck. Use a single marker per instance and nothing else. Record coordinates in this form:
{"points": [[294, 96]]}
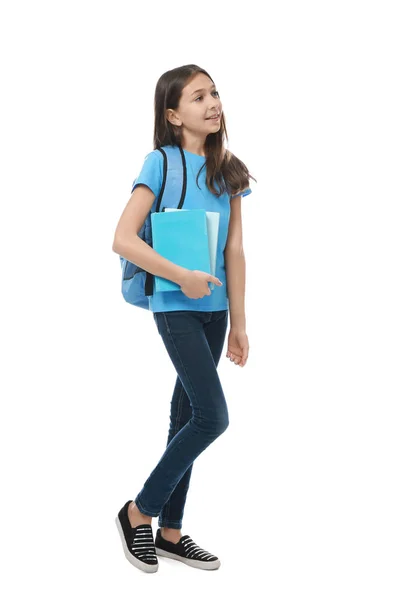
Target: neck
{"points": [[193, 143]]}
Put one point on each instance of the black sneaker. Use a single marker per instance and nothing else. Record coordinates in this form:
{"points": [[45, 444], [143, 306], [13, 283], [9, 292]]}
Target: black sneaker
{"points": [[137, 542], [186, 551]]}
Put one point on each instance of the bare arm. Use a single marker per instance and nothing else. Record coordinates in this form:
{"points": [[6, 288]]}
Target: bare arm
{"points": [[128, 244], [235, 266]]}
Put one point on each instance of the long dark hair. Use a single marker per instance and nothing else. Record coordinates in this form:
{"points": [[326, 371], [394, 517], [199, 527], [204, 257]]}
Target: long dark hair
{"points": [[223, 167]]}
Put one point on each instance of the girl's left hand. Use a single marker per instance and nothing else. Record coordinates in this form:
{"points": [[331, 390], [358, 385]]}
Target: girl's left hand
{"points": [[238, 347]]}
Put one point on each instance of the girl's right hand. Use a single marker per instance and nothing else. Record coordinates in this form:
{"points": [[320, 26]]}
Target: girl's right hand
{"points": [[195, 284]]}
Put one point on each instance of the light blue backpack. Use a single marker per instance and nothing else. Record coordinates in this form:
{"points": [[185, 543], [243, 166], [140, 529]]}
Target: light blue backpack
{"points": [[138, 284]]}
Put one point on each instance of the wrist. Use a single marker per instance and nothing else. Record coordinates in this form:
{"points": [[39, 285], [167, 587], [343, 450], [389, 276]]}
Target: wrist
{"points": [[238, 324], [181, 274]]}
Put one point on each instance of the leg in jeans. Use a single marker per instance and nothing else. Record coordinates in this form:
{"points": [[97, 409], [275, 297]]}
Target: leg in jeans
{"points": [[185, 335], [181, 411]]}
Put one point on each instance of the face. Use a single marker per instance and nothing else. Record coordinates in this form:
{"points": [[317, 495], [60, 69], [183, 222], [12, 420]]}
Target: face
{"points": [[199, 100]]}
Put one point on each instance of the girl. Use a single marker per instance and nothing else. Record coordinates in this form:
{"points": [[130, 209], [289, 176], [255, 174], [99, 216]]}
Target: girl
{"points": [[192, 322]]}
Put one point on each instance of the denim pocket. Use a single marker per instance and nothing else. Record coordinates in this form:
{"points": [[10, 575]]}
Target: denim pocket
{"points": [[161, 322], [166, 323]]}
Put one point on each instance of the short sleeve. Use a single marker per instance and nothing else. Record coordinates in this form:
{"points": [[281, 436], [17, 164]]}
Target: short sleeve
{"points": [[151, 172], [245, 192]]}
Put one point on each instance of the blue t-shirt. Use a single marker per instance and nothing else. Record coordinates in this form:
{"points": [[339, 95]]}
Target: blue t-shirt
{"points": [[151, 175]]}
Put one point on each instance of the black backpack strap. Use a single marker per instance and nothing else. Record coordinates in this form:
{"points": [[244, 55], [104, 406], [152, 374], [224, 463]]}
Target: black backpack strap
{"points": [[149, 283]]}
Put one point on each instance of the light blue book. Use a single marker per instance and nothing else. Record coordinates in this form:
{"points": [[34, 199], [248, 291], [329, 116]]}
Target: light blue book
{"points": [[212, 228], [182, 237]]}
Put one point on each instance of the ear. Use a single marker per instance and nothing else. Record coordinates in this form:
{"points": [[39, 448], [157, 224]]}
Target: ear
{"points": [[172, 117]]}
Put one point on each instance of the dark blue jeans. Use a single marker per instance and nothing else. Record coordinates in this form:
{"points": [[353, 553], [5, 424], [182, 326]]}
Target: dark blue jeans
{"points": [[199, 414]]}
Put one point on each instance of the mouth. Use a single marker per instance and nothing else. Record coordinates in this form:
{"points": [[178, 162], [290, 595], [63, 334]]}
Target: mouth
{"points": [[214, 117]]}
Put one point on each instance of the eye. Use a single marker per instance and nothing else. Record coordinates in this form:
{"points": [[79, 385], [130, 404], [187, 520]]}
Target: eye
{"points": [[214, 92]]}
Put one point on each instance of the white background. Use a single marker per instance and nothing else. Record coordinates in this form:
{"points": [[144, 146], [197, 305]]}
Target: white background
{"points": [[299, 497]]}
